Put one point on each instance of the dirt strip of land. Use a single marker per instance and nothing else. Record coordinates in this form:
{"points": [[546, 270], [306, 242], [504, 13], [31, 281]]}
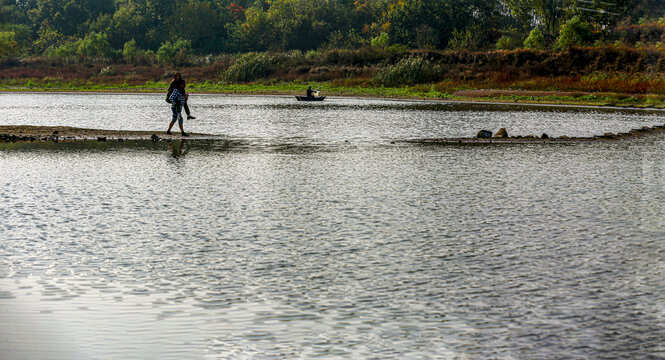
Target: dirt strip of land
{"points": [[645, 130], [66, 133]]}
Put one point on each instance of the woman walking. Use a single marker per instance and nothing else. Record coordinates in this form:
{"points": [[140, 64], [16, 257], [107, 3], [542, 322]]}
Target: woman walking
{"points": [[179, 83]]}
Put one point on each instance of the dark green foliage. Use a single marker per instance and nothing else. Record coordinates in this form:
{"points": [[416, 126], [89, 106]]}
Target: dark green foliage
{"points": [[211, 27]]}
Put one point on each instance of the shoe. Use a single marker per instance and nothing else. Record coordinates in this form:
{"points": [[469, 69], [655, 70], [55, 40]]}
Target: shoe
{"points": [[190, 117], [185, 134], [168, 133]]}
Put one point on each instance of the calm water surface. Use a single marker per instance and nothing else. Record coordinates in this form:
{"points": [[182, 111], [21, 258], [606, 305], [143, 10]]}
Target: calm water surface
{"points": [[308, 234]]}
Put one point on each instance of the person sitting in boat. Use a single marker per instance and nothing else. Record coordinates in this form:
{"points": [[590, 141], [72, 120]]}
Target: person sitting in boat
{"points": [[310, 92]]}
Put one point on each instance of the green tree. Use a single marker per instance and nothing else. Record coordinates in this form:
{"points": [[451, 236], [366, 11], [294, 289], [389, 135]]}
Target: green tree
{"points": [[549, 13], [8, 45], [22, 36], [430, 23], [207, 33], [47, 37], [256, 33], [296, 24]]}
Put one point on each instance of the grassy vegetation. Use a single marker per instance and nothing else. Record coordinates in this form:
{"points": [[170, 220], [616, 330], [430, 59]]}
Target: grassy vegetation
{"points": [[332, 88], [606, 75]]}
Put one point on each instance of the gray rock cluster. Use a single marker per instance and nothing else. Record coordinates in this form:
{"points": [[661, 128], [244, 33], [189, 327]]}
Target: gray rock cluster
{"points": [[14, 137]]}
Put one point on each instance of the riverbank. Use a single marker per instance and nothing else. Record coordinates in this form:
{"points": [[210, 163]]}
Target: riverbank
{"points": [[353, 88], [421, 92], [600, 76]]}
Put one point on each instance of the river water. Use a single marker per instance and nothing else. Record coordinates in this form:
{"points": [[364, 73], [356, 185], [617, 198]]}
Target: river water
{"points": [[312, 231]]}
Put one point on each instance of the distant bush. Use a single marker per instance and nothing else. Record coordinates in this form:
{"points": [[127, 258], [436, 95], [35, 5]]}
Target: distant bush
{"points": [[66, 50], [650, 33], [131, 53], [176, 53], [535, 40], [467, 39], [382, 40], [507, 42], [351, 39], [296, 56], [575, 32], [413, 70], [313, 56], [250, 67], [95, 45]]}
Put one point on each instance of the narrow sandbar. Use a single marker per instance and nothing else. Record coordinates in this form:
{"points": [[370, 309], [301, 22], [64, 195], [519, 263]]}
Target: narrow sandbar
{"points": [[67, 133]]}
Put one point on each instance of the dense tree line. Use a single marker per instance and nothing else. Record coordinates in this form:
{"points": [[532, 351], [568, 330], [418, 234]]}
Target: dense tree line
{"points": [[167, 30]]}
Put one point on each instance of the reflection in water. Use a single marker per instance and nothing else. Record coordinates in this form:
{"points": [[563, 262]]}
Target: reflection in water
{"points": [[177, 148]]}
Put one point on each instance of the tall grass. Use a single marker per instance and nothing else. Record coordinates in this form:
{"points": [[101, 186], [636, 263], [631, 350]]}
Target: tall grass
{"points": [[250, 67], [412, 70]]}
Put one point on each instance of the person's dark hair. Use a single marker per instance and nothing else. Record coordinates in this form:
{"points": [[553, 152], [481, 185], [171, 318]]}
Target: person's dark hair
{"points": [[176, 75]]}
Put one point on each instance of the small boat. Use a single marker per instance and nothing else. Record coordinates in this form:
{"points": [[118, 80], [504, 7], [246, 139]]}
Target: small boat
{"points": [[309, 98]]}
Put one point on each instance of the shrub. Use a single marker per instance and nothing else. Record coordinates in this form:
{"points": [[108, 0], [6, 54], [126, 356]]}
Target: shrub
{"points": [[409, 71], [130, 50], [95, 45], [575, 32], [176, 53], [131, 53], [382, 40], [250, 67], [346, 40], [469, 39], [535, 40], [313, 56], [507, 42], [66, 52]]}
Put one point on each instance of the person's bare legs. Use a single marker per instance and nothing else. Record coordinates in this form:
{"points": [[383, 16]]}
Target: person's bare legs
{"points": [[171, 126], [182, 131]]}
